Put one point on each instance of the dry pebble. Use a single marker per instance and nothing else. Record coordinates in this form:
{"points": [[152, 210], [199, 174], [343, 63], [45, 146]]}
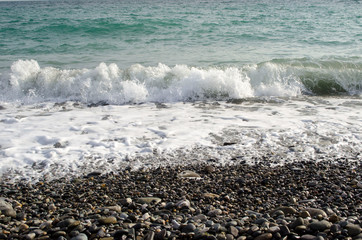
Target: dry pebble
{"points": [[303, 200]]}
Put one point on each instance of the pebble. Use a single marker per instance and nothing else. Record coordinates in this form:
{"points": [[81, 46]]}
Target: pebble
{"points": [[315, 212], [108, 220], [353, 229], [189, 174], [6, 208], [264, 236], [149, 200], [231, 202], [320, 225], [80, 236]]}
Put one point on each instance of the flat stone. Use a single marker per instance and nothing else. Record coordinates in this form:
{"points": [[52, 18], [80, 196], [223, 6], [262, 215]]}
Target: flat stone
{"points": [[308, 237], [108, 220], [285, 210], [274, 229], [189, 174], [115, 208], [210, 195], [200, 217], [315, 212], [149, 200]]}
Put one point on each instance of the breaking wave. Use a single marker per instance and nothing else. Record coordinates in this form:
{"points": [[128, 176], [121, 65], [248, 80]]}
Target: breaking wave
{"points": [[27, 81]]}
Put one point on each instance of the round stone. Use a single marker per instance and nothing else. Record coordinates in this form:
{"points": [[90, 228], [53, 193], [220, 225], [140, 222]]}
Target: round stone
{"points": [[188, 228], [108, 220], [320, 225], [353, 229]]}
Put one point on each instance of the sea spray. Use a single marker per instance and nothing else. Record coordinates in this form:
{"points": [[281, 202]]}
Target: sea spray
{"points": [[162, 83]]}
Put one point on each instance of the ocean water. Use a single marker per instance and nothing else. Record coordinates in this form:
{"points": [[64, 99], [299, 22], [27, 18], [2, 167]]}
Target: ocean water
{"points": [[98, 85]]}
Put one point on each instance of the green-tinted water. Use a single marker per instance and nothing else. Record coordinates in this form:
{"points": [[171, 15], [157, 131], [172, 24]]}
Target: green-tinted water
{"points": [[85, 33], [301, 47]]}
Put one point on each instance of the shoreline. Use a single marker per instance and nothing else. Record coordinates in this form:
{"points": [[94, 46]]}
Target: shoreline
{"points": [[301, 200]]}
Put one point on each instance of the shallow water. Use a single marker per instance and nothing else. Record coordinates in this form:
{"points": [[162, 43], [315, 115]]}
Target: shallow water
{"points": [[93, 87]]}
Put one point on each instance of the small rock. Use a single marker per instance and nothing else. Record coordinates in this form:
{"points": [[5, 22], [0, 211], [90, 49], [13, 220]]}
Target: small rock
{"points": [[188, 228], [315, 212], [189, 174], [149, 200], [214, 213], [285, 210], [65, 223], [304, 214], [209, 169], [6, 208], [336, 228], [334, 218], [200, 217], [274, 229], [115, 208], [264, 236], [308, 237], [320, 225], [108, 220], [210, 195], [80, 236], [298, 222], [183, 203], [30, 236], [284, 230], [353, 229], [234, 231]]}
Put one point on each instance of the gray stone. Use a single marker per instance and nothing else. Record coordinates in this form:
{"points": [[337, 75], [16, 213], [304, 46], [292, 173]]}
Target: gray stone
{"points": [[274, 229], [315, 212], [149, 200], [285, 210], [200, 217], [189, 174], [65, 223], [234, 231], [336, 228], [308, 237], [80, 236], [214, 213], [298, 222], [183, 203], [6, 208], [320, 225], [284, 230], [188, 228], [353, 229], [30, 236]]}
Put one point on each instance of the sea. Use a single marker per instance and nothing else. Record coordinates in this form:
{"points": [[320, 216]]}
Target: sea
{"points": [[100, 86]]}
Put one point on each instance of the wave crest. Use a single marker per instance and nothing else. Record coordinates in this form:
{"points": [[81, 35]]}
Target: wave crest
{"points": [[108, 83]]}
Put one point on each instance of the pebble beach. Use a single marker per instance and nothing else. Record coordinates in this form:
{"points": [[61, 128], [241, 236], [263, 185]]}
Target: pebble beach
{"points": [[300, 200]]}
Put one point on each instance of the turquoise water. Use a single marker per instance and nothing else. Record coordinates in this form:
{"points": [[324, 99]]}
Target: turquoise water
{"points": [[316, 43]]}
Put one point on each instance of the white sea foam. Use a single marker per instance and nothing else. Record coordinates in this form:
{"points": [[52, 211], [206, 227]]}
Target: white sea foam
{"points": [[56, 140]]}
